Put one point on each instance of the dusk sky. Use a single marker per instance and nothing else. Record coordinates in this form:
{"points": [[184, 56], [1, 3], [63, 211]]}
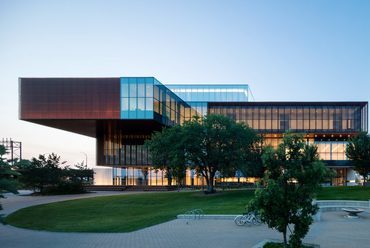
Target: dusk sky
{"points": [[285, 51]]}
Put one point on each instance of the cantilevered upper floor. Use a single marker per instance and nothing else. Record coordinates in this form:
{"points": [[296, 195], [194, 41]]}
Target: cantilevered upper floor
{"points": [[145, 104], [78, 104]]}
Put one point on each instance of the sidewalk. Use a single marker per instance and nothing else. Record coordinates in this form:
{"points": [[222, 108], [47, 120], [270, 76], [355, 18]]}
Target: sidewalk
{"points": [[334, 231]]}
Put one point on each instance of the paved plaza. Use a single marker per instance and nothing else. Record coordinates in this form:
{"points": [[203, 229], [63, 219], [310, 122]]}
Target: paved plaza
{"points": [[334, 230]]}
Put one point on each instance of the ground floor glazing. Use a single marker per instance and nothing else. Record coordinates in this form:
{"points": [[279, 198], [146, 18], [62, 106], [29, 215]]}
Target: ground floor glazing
{"points": [[138, 176]]}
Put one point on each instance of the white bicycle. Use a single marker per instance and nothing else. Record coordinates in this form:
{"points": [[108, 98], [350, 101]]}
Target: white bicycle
{"points": [[247, 218]]}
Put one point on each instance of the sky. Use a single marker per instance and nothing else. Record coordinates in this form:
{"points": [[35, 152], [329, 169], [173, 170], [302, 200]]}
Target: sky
{"points": [[285, 50]]}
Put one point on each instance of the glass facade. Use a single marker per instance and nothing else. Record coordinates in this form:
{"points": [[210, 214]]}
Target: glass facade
{"points": [[123, 143], [332, 150], [212, 92], [198, 109], [169, 109], [328, 148], [147, 98], [198, 95], [137, 98], [124, 112], [279, 118], [327, 125]]}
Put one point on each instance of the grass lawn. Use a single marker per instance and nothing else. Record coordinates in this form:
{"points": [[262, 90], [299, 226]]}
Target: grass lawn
{"points": [[125, 213], [345, 193]]}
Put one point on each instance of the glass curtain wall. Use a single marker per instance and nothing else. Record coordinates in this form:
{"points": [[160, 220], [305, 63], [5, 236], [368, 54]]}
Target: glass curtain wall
{"points": [[148, 176], [315, 119], [147, 98], [211, 92], [137, 98], [123, 149], [198, 96], [332, 150], [169, 109]]}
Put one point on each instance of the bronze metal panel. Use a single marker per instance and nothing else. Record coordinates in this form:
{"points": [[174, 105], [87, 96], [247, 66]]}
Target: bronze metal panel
{"points": [[69, 98]]}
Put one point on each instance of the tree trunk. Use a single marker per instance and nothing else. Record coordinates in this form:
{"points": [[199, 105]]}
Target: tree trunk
{"points": [[169, 181], [285, 241], [364, 179], [169, 176], [207, 182], [210, 188]]}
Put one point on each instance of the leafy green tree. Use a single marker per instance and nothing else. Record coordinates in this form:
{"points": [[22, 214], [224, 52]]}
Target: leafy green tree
{"points": [[8, 175], [80, 173], [293, 175], [46, 175], [42, 172], [167, 153], [358, 150], [218, 143]]}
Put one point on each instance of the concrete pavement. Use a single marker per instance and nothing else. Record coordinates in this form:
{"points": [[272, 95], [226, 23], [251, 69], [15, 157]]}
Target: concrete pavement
{"points": [[333, 231]]}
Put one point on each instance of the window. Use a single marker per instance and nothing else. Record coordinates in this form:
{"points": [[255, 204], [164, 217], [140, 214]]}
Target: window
{"points": [[133, 104], [149, 90], [133, 90], [141, 90], [124, 90], [124, 104], [149, 104], [140, 104]]}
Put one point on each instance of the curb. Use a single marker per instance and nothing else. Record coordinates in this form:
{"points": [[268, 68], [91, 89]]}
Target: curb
{"points": [[208, 216]]}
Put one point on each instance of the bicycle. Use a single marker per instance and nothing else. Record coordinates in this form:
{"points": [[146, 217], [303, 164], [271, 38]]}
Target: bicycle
{"points": [[250, 218]]}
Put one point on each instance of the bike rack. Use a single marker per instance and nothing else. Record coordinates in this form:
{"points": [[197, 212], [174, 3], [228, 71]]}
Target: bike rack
{"points": [[195, 214]]}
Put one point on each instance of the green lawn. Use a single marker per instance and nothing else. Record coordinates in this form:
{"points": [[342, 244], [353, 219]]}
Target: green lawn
{"points": [[126, 213], [345, 193]]}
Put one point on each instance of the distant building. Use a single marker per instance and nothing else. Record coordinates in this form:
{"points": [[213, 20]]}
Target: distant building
{"points": [[121, 113]]}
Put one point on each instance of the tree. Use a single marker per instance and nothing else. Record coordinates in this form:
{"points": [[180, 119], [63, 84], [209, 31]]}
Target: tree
{"points": [[42, 172], [217, 143], [46, 175], [167, 153], [81, 173], [358, 150], [293, 175], [8, 175]]}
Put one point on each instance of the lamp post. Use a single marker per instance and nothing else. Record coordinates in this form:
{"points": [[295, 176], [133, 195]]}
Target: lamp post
{"points": [[85, 157]]}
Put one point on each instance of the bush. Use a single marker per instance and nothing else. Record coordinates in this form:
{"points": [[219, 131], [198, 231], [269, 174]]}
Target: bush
{"points": [[280, 245], [62, 188], [46, 176]]}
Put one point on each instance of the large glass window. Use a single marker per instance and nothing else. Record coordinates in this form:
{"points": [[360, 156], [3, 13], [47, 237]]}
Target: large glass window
{"points": [[332, 150], [141, 89], [168, 107], [149, 89], [132, 104], [124, 89], [137, 100], [333, 119], [133, 88], [211, 93]]}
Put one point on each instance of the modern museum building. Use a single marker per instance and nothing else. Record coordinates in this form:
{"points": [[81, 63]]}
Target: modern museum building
{"points": [[123, 112]]}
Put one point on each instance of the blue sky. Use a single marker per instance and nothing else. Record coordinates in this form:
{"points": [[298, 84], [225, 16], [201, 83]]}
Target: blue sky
{"points": [[285, 50]]}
